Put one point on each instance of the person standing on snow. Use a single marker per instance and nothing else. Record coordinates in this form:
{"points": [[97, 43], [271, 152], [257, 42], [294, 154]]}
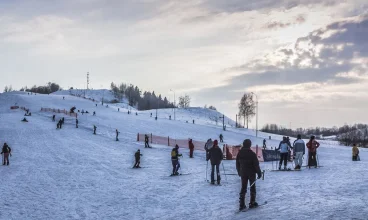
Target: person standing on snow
{"points": [[191, 148], [146, 141], [298, 152], [53, 118], [175, 160], [264, 144], [76, 122], [6, 151], [137, 156], [284, 147], [94, 129], [221, 138], [355, 152], [215, 155], [312, 146], [117, 135], [247, 166]]}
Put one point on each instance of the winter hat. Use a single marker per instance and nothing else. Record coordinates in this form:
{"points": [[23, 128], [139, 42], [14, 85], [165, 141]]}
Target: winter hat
{"points": [[299, 136], [176, 146], [139, 150], [247, 143], [215, 143]]}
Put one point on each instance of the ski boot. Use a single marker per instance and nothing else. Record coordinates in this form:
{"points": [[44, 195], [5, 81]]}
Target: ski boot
{"points": [[242, 205], [253, 205]]}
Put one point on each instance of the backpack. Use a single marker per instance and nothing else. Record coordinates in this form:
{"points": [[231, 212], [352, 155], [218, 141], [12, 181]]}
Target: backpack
{"points": [[173, 153]]}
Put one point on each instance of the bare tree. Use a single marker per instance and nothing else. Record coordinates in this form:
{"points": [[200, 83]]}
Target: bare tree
{"points": [[8, 89], [184, 101], [247, 107]]}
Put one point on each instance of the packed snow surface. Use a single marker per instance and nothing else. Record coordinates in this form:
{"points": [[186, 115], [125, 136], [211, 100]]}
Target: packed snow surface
{"points": [[73, 174]]}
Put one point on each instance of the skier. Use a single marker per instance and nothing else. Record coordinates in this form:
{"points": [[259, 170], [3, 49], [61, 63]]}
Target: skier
{"points": [[24, 120], [76, 122], [94, 113], [136, 113], [193, 121], [221, 138], [146, 140], [151, 114], [6, 151], [191, 148], [355, 152], [117, 135], [175, 160], [53, 118], [60, 123], [208, 146], [62, 120], [215, 156], [247, 166], [284, 147], [94, 129], [169, 117], [118, 109], [63, 98], [298, 152], [137, 156], [264, 144], [312, 146]]}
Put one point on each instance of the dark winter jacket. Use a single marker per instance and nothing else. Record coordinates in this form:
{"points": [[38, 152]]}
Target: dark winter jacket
{"points": [[146, 138], [247, 163], [191, 145], [299, 146], [138, 155], [175, 154], [6, 149], [312, 146], [215, 155]]}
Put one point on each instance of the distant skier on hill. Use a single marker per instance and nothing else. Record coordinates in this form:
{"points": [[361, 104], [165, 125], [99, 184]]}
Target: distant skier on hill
{"points": [[117, 134], [76, 123], [175, 160], [6, 151], [264, 144], [298, 152], [191, 148], [24, 120], [312, 146], [62, 121], [53, 118], [284, 147], [137, 156], [94, 129], [94, 113], [221, 138], [215, 155], [146, 141], [247, 166], [355, 152]]}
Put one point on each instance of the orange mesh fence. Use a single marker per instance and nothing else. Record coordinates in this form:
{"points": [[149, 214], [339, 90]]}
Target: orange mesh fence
{"points": [[232, 151], [61, 111], [168, 141]]}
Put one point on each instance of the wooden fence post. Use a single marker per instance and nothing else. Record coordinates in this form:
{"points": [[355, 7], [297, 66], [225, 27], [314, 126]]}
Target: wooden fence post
{"points": [[138, 137], [151, 138], [168, 141]]}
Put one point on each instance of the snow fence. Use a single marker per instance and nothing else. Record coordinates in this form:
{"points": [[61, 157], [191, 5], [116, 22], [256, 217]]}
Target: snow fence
{"points": [[232, 151], [62, 111]]}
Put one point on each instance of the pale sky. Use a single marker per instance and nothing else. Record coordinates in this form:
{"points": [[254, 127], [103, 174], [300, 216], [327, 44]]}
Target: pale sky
{"points": [[306, 60]]}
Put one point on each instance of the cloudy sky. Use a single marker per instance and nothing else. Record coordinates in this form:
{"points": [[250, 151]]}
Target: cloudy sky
{"points": [[306, 60]]}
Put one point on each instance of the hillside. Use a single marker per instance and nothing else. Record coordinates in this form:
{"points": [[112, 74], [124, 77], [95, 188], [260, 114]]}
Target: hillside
{"points": [[73, 174]]}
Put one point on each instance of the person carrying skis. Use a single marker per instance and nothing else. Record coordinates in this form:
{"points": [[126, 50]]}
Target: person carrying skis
{"points": [[137, 156], [191, 148], [76, 122], [215, 155], [146, 141], [6, 151], [247, 166], [117, 135], [284, 147], [175, 160], [94, 129], [355, 152], [298, 152], [312, 146], [221, 138]]}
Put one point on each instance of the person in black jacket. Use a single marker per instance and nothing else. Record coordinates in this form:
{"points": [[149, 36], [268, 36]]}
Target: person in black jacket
{"points": [[146, 141], [247, 166], [215, 156], [6, 151], [76, 122], [117, 135], [137, 156]]}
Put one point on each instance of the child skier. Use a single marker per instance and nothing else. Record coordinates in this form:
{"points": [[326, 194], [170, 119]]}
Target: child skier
{"points": [[175, 160], [137, 156], [6, 151]]}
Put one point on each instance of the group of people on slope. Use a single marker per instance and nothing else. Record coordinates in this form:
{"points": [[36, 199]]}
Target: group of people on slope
{"points": [[298, 152]]}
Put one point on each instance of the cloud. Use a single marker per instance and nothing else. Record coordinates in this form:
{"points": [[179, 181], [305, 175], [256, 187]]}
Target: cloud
{"points": [[277, 24]]}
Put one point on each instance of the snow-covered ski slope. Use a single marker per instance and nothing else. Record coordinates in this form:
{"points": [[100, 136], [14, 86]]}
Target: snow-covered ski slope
{"points": [[73, 174]]}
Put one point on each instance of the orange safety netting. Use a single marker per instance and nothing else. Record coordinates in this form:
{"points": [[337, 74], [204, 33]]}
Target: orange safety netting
{"points": [[59, 111], [232, 151]]}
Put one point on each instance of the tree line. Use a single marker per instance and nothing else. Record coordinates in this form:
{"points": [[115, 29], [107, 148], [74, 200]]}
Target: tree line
{"points": [[47, 89], [346, 135], [147, 101]]}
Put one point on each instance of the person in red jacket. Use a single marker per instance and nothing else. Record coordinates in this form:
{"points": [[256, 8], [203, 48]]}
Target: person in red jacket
{"points": [[312, 146], [191, 148]]}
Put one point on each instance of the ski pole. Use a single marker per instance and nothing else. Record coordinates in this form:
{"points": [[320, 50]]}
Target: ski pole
{"points": [[317, 160], [223, 167]]}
